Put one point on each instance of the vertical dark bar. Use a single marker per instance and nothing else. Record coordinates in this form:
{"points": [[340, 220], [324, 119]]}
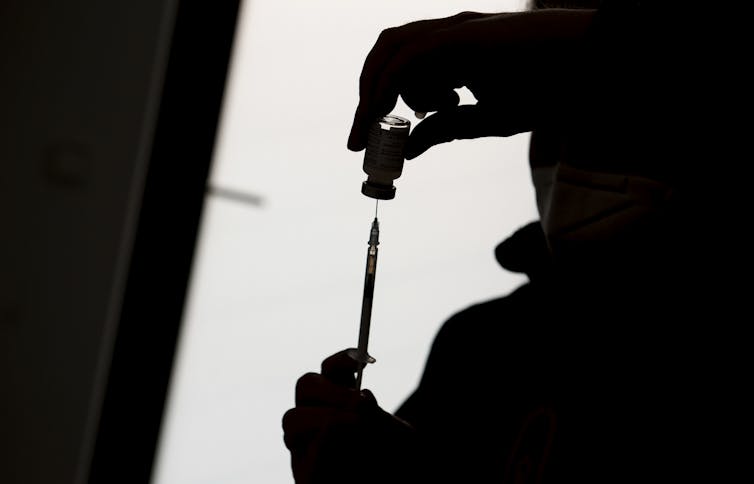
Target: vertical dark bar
{"points": [[164, 244]]}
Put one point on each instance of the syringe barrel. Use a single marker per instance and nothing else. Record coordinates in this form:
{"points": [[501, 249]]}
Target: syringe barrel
{"points": [[361, 354], [366, 303]]}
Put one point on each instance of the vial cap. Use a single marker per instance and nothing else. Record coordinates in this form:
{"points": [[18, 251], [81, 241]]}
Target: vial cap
{"points": [[380, 192], [392, 122]]}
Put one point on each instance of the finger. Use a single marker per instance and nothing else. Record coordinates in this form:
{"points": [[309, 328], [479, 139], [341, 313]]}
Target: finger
{"points": [[373, 104], [306, 426], [341, 368], [428, 64], [313, 389], [462, 122], [316, 438], [367, 401], [424, 99], [299, 427], [382, 96]]}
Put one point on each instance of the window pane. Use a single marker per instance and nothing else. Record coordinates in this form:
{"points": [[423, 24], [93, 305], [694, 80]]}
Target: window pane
{"points": [[278, 278]]}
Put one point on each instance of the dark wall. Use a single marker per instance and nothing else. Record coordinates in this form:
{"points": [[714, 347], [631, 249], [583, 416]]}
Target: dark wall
{"points": [[80, 85]]}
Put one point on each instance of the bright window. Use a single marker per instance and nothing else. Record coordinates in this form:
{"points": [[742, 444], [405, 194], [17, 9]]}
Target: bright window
{"points": [[276, 285]]}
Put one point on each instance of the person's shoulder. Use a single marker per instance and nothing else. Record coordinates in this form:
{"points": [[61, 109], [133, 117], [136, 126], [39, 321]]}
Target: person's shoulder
{"points": [[511, 313]]}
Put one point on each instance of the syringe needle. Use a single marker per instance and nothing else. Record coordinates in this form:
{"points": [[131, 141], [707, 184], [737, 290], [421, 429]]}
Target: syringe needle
{"points": [[376, 206]]}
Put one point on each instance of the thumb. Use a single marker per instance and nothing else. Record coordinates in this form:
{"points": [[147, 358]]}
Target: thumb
{"points": [[368, 399], [461, 122], [341, 368]]}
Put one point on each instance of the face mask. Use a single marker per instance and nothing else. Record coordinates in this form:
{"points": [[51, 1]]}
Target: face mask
{"points": [[578, 206]]}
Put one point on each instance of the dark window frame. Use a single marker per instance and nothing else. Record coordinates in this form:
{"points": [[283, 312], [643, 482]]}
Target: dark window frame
{"points": [[165, 240]]}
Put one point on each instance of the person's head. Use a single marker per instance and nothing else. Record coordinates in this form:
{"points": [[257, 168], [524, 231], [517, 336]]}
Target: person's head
{"points": [[593, 198], [540, 4]]}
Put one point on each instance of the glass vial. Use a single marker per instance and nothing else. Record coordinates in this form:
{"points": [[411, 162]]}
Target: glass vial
{"points": [[383, 158]]}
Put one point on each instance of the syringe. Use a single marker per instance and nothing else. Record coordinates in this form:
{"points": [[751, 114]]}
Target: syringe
{"points": [[360, 354]]}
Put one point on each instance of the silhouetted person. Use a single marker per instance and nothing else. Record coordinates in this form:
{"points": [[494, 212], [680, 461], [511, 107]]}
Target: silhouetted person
{"points": [[592, 371]]}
